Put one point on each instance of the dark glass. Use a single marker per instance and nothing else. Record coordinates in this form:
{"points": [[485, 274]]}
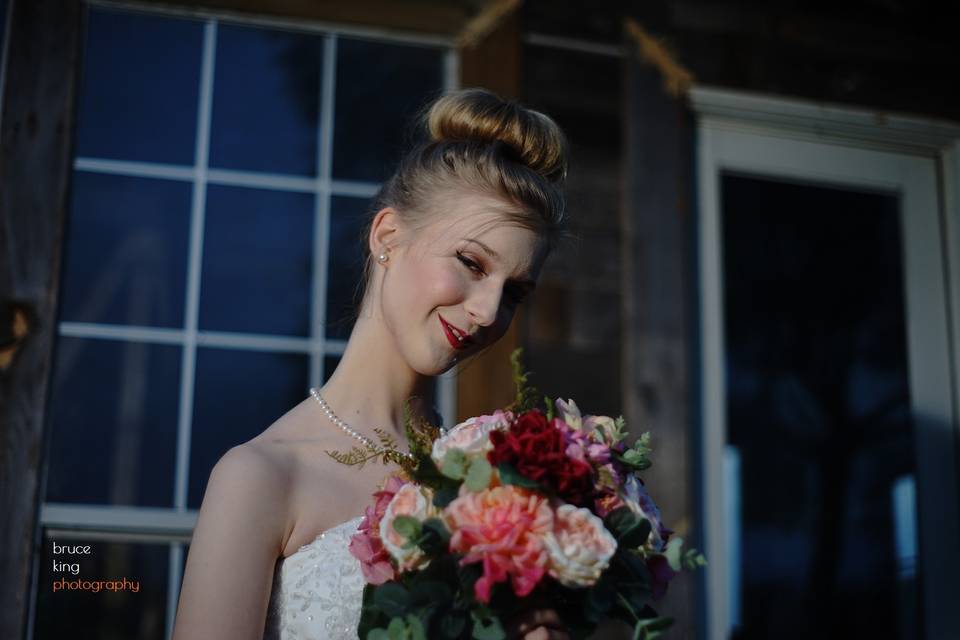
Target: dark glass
{"points": [[3, 32], [345, 266], [257, 261], [141, 85], [113, 416], [266, 100], [238, 395], [126, 251], [107, 614], [818, 409], [379, 88]]}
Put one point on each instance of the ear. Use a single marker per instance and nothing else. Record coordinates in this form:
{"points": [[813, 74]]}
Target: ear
{"points": [[383, 230]]}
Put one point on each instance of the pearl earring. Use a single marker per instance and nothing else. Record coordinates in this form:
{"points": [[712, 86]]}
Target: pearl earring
{"points": [[382, 257]]}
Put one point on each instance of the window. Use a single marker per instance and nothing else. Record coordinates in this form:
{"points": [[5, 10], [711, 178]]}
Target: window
{"points": [[829, 417], [221, 176]]}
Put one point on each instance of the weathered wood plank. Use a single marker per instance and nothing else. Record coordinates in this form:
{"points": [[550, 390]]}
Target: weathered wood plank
{"points": [[36, 132], [434, 17], [659, 297]]}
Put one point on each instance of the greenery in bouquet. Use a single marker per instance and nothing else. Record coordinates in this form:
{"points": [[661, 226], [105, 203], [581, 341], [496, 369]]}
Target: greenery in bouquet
{"points": [[527, 505]]}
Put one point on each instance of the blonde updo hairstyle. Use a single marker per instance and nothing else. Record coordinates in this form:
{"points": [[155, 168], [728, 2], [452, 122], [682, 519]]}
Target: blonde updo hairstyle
{"points": [[474, 141]]}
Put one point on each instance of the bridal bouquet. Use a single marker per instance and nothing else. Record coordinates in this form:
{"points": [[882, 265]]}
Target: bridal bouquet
{"points": [[524, 505]]}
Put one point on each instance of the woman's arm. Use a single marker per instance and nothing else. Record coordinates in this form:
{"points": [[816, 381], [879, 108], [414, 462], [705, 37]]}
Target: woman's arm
{"points": [[235, 545]]}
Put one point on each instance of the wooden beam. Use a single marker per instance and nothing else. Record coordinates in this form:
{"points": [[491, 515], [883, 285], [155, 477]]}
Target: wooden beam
{"points": [[435, 17], [658, 297], [36, 130], [484, 383]]}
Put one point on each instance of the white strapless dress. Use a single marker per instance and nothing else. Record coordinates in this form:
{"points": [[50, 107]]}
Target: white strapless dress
{"points": [[317, 590]]}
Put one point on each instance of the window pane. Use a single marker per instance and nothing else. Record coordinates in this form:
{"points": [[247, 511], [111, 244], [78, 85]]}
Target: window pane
{"points": [[379, 88], [106, 614], [126, 251], [347, 219], [266, 100], [141, 82], [257, 261], [238, 395], [819, 410], [113, 413]]}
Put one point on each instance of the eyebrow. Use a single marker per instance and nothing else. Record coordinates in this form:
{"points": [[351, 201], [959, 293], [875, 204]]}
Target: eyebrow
{"points": [[496, 256]]}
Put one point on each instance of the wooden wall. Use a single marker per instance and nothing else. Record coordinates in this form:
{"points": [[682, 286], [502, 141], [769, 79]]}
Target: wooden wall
{"points": [[36, 131]]}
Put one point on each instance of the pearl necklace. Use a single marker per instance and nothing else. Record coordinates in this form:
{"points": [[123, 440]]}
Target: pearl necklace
{"points": [[315, 392]]}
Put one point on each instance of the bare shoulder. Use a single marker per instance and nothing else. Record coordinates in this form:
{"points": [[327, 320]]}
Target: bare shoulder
{"points": [[250, 479], [235, 544]]}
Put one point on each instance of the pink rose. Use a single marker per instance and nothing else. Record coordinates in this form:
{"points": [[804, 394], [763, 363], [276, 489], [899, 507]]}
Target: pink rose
{"points": [[366, 545]]}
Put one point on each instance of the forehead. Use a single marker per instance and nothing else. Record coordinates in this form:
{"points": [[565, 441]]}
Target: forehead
{"points": [[481, 222]]}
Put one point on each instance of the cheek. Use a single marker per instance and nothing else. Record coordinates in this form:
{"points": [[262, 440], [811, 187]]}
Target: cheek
{"points": [[442, 286]]}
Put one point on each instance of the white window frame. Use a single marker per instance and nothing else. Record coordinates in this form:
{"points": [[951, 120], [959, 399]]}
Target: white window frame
{"points": [[175, 525], [763, 135]]}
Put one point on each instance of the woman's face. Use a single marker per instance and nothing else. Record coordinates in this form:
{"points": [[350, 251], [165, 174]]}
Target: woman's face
{"points": [[452, 290]]}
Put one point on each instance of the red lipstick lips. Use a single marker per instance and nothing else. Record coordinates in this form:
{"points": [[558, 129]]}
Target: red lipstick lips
{"points": [[451, 333]]}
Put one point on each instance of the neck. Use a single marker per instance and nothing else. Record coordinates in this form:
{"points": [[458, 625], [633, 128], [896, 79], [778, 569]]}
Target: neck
{"points": [[372, 383]]}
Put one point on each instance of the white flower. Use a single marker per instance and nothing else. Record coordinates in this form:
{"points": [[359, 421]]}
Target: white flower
{"points": [[601, 429], [569, 413], [471, 436], [579, 547]]}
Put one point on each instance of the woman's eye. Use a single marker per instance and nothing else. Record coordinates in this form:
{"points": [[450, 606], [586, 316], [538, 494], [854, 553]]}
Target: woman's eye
{"points": [[473, 266]]}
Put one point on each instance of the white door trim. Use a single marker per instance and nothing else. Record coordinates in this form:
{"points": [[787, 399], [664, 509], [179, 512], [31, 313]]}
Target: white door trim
{"points": [[917, 158]]}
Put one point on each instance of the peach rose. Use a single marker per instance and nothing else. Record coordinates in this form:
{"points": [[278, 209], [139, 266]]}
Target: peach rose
{"points": [[410, 500], [504, 528], [579, 547]]}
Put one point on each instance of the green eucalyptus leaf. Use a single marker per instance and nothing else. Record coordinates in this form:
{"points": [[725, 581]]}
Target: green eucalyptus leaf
{"points": [[431, 592], [487, 627], [635, 459], [453, 623], [444, 495], [407, 526], [454, 464], [509, 475], [397, 629], [693, 559], [415, 629], [392, 598], [378, 634], [673, 553], [479, 475], [434, 536], [370, 614], [629, 529], [651, 628]]}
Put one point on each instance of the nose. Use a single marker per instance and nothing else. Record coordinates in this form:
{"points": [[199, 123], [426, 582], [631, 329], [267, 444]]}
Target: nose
{"points": [[483, 305]]}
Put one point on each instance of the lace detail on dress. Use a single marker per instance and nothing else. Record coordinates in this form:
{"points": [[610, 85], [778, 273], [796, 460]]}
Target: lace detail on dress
{"points": [[318, 590]]}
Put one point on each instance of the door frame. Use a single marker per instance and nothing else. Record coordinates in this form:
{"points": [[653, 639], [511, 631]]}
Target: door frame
{"points": [[766, 135]]}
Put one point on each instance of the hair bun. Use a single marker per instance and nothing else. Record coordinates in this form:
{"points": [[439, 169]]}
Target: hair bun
{"points": [[482, 116]]}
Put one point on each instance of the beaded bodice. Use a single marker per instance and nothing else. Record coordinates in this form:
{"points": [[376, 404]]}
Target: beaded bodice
{"points": [[317, 590]]}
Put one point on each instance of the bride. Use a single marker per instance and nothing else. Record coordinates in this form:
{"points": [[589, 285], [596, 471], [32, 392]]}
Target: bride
{"points": [[460, 234]]}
